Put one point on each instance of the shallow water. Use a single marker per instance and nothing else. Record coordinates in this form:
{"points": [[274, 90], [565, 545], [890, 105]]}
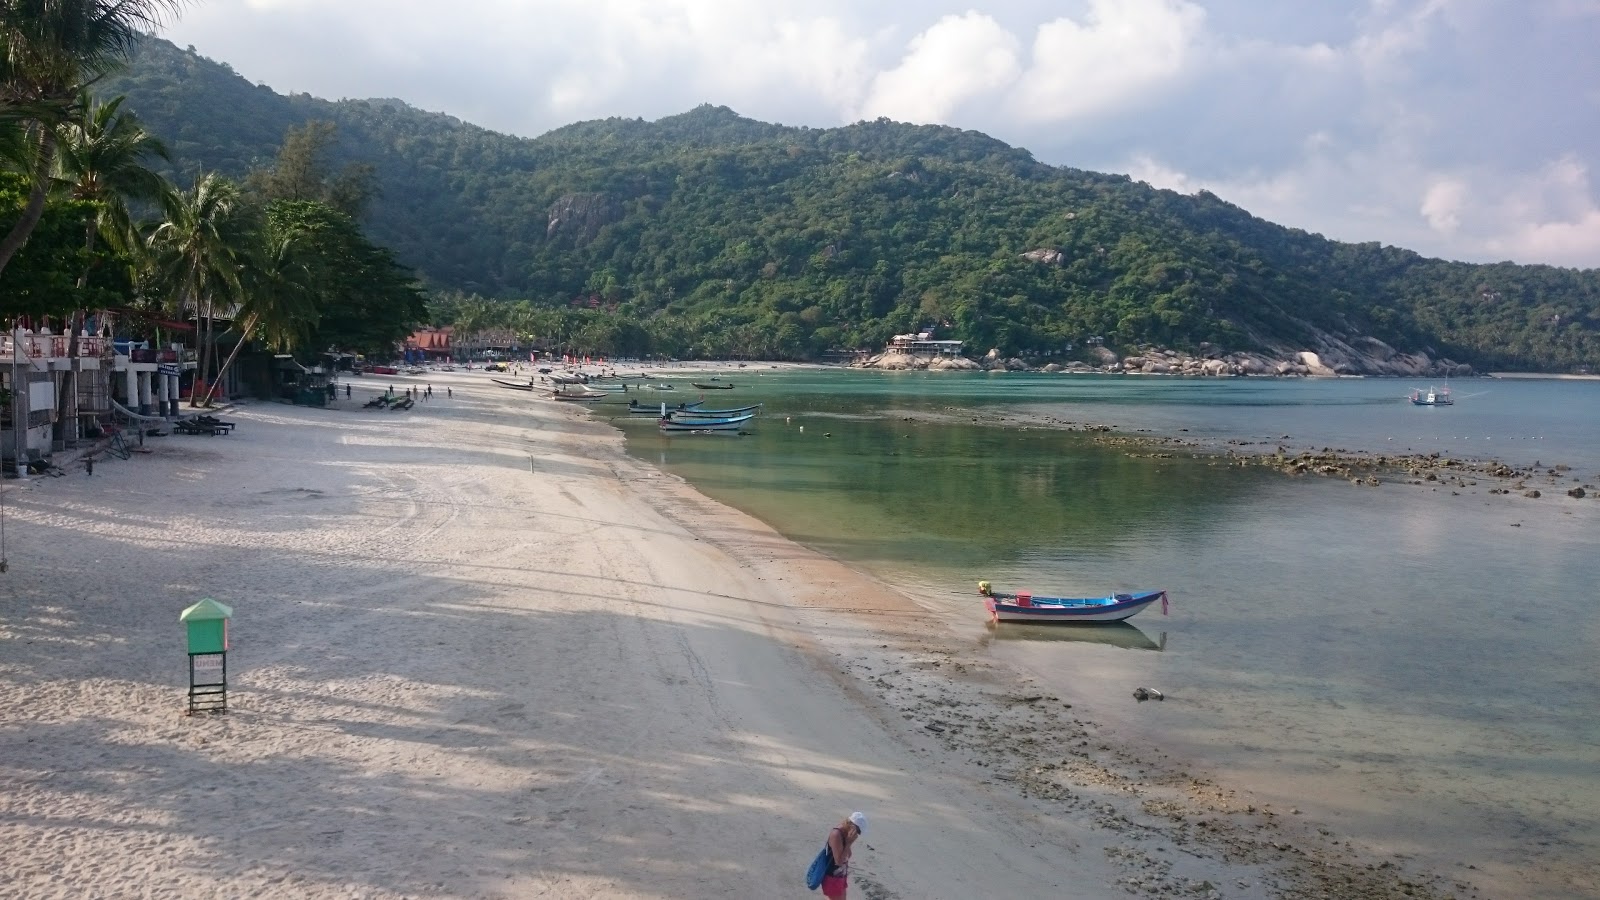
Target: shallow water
{"points": [[1411, 665]]}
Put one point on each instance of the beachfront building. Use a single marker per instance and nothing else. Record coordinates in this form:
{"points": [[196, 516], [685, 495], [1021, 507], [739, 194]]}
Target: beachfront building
{"points": [[98, 375], [487, 343], [430, 345], [922, 342]]}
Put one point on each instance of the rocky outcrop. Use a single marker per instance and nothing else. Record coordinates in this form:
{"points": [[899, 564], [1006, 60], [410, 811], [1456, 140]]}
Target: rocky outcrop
{"points": [[1330, 357], [896, 360], [1045, 257], [576, 219]]}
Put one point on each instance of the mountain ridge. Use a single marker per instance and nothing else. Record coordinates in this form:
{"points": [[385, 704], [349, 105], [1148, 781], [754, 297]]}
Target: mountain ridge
{"points": [[799, 239]]}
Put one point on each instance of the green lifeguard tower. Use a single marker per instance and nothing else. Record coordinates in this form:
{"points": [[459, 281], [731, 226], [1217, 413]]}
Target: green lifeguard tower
{"points": [[207, 626]]}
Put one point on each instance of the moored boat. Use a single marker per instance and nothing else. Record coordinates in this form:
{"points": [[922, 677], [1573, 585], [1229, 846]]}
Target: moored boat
{"points": [[706, 386], [1432, 397], [659, 410], [1025, 607], [515, 385], [730, 424], [577, 392], [697, 412]]}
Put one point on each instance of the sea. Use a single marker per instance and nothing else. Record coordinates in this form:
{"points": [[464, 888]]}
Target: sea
{"points": [[1415, 666]]}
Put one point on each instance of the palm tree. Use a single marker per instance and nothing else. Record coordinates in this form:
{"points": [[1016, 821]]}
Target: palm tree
{"points": [[102, 157], [50, 50], [196, 256], [276, 298]]}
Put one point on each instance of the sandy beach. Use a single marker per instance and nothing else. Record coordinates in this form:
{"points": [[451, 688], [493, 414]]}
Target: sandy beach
{"points": [[480, 652]]}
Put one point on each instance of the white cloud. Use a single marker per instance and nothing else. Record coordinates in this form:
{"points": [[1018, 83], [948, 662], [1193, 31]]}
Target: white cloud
{"points": [[1442, 203], [955, 60], [1551, 216], [1123, 49]]}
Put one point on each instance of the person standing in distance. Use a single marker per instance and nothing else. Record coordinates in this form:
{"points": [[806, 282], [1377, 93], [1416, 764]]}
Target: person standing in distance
{"points": [[840, 840]]}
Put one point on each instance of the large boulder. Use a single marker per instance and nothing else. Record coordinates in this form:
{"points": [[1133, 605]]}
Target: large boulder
{"points": [[576, 219], [1045, 257], [1312, 364]]}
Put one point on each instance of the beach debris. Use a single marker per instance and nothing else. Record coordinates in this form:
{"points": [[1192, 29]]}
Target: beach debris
{"points": [[1142, 694]]}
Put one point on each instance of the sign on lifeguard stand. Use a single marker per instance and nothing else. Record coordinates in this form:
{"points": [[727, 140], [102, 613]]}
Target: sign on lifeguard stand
{"points": [[207, 625]]}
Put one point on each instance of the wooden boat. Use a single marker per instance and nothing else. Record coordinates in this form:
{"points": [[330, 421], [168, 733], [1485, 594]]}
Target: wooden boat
{"points": [[733, 424], [567, 393], [696, 412], [514, 385], [1025, 607], [635, 408], [1432, 397], [697, 419], [711, 387]]}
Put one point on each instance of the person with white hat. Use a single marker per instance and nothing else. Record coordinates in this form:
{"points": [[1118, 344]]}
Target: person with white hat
{"points": [[840, 840]]}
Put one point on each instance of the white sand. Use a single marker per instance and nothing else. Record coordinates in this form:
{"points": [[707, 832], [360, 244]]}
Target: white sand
{"points": [[479, 652]]}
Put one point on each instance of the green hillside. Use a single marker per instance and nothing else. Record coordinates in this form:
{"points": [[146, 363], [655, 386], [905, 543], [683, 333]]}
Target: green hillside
{"points": [[715, 233]]}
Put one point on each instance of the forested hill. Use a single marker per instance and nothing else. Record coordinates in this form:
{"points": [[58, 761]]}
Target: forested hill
{"points": [[762, 239]]}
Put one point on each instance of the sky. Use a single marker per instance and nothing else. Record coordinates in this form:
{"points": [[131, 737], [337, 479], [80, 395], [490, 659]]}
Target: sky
{"points": [[1464, 129]]}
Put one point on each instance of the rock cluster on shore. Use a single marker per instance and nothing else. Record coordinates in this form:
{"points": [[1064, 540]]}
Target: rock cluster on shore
{"points": [[1331, 358]]}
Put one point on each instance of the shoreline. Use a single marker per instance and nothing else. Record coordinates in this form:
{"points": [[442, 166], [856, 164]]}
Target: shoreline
{"points": [[480, 627]]}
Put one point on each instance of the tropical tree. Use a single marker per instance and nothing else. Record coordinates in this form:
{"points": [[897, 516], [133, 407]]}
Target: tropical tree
{"points": [[50, 51], [196, 250], [276, 298], [103, 158]]}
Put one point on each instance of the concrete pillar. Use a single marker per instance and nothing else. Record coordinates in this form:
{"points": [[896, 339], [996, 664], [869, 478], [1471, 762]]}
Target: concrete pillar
{"points": [[144, 393], [172, 395], [130, 390], [161, 394]]}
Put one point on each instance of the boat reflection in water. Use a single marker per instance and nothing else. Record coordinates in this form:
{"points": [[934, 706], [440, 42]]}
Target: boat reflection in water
{"points": [[1113, 634]]}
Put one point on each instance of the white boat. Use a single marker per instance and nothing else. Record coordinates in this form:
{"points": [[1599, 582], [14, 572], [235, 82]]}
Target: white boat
{"points": [[1432, 397]]}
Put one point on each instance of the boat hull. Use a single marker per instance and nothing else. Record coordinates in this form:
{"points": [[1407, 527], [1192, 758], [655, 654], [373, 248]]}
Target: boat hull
{"points": [[654, 409], [690, 413], [712, 387], [733, 424], [1066, 610]]}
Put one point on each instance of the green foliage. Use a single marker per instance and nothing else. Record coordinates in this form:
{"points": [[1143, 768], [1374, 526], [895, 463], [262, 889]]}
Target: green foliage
{"points": [[42, 279], [710, 234], [366, 302]]}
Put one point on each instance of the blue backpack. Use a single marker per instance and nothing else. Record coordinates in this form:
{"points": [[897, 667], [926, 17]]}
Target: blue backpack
{"points": [[819, 868]]}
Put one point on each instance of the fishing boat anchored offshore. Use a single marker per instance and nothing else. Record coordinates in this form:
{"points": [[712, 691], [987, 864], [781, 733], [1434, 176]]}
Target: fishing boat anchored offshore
{"points": [[1432, 397]]}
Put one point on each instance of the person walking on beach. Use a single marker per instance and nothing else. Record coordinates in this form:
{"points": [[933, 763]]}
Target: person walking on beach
{"points": [[448, 393], [840, 840]]}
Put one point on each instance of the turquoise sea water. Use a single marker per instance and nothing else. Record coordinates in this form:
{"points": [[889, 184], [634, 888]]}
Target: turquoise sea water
{"points": [[1413, 665]]}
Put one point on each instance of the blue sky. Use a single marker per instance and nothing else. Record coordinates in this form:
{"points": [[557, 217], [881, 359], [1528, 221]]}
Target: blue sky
{"points": [[1467, 129]]}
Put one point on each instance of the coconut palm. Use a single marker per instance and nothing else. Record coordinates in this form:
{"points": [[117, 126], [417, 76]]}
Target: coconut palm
{"points": [[196, 251], [101, 159], [103, 156], [276, 298], [50, 51]]}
